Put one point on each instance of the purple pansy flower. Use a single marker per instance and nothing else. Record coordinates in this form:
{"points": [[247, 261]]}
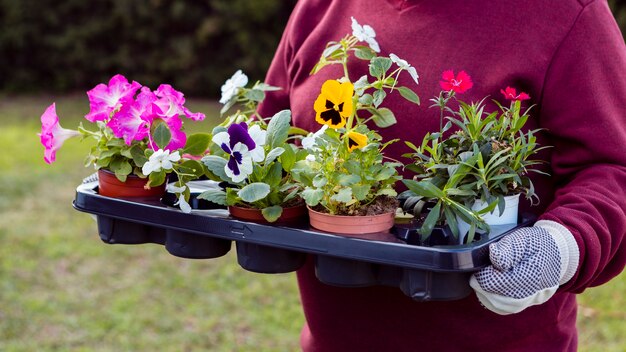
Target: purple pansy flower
{"points": [[243, 147], [104, 99]]}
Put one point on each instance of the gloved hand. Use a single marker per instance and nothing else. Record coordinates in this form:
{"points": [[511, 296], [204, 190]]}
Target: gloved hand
{"points": [[527, 267]]}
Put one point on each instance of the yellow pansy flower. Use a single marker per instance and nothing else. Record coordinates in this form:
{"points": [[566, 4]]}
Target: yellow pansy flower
{"points": [[356, 140], [334, 104]]}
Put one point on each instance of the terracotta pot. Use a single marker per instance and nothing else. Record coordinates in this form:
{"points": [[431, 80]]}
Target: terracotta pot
{"points": [[290, 214], [110, 186], [351, 225]]}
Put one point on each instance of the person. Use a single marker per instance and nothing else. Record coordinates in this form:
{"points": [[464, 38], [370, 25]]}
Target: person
{"points": [[569, 56]]}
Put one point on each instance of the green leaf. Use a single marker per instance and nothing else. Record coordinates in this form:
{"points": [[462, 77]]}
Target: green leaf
{"points": [[348, 180], [319, 181], [216, 196], [424, 188], [273, 154], [272, 213], [126, 152], [431, 220], [228, 105], [385, 174], [387, 192], [451, 221], [292, 194], [124, 169], [409, 95], [138, 156], [379, 96], [254, 192], [379, 66], [330, 50], [353, 166], [216, 165], [288, 157], [161, 135], [274, 175], [192, 167], [366, 99], [197, 144], [344, 195], [384, 118], [312, 196], [278, 129], [360, 191], [297, 131], [255, 95], [364, 53], [156, 178]]}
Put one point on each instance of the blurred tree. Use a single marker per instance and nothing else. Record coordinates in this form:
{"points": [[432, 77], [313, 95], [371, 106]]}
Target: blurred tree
{"points": [[192, 44], [619, 11]]}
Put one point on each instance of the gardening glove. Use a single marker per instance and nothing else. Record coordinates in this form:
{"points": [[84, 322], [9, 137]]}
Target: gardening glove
{"points": [[527, 267]]}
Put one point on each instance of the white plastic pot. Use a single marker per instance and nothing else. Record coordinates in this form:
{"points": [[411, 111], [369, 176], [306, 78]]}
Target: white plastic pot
{"points": [[509, 216]]}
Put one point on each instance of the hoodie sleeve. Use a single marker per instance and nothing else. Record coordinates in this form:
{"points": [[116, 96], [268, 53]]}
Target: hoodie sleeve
{"points": [[583, 109]]}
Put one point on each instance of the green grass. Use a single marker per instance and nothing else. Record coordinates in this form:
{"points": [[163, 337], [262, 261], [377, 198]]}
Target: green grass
{"points": [[62, 289]]}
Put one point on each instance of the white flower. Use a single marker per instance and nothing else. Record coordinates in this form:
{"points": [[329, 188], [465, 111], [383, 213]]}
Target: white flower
{"points": [[308, 142], [259, 137], [182, 203], [240, 164], [237, 143], [232, 85], [310, 157], [161, 159], [403, 64], [366, 34]]}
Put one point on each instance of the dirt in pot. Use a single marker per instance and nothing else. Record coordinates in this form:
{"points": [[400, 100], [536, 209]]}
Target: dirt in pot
{"points": [[380, 205]]}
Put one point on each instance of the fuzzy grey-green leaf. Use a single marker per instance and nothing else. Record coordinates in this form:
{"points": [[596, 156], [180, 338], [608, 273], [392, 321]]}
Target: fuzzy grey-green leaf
{"points": [[254, 192]]}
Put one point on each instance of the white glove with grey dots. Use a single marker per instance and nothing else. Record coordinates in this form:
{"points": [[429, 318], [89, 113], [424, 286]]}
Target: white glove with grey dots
{"points": [[527, 267]]}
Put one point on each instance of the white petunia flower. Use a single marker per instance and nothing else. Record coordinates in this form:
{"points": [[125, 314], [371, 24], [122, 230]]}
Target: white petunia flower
{"points": [[232, 85], [161, 159], [403, 64], [308, 142], [182, 203], [366, 34], [259, 137]]}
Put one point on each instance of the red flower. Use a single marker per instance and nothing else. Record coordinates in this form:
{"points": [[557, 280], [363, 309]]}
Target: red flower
{"points": [[458, 84], [511, 94]]}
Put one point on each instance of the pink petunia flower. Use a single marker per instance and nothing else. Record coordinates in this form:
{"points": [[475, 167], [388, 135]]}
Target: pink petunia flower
{"points": [[133, 120], [458, 84], [105, 99], [511, 94], [52, 134], [171, 102]]}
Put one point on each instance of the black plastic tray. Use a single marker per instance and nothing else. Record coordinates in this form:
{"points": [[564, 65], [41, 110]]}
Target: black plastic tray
{"points": [[438, 272]]}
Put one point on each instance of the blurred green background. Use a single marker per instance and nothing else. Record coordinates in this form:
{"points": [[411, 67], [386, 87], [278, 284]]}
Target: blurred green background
{"points": [[61, 288]]}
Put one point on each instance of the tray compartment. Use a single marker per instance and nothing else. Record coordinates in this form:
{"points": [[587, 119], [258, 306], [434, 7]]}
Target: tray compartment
{"points": [[268, 260], [194, 246], [117, 231], [423, 285], [345, 272]]}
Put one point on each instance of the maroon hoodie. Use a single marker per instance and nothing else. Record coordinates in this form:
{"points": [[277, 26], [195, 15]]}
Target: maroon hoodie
{"points": [[570, 57]]}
